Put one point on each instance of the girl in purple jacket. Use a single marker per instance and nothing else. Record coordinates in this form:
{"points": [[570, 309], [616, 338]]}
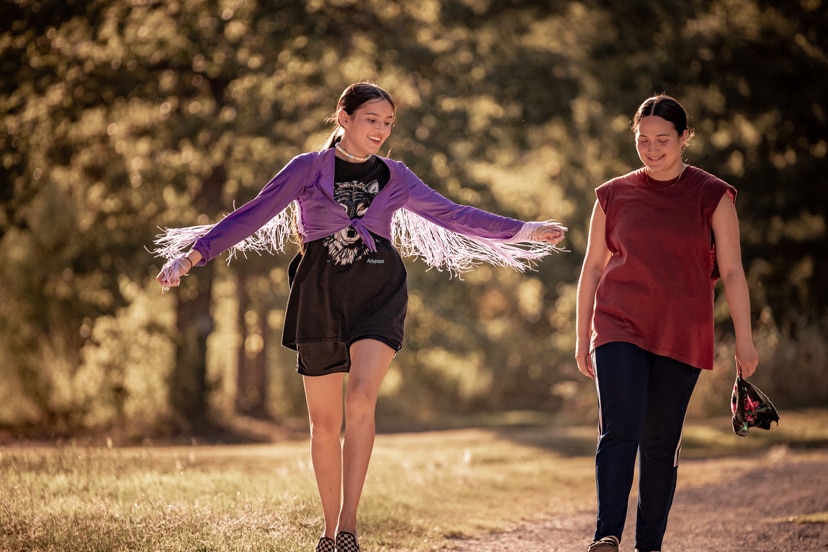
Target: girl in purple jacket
{"points": [[348, 207]]}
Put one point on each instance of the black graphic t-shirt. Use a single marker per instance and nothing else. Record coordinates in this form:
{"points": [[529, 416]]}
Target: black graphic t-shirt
{"points": [[341, 291], [355, 187]]}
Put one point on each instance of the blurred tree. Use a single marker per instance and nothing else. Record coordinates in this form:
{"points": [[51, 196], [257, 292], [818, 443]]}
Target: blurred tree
{"points": [[120, 116], [69, 207]]}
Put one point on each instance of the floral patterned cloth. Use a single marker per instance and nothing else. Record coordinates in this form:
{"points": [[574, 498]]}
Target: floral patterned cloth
{"points": [[750, 407]]}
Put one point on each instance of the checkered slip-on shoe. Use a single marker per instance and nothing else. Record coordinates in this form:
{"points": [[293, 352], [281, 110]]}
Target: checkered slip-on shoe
{"points": [[346, 542], [325, 545], [607, 544]]}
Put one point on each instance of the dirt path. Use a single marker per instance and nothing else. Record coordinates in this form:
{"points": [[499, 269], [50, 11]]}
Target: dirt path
{"points": [[750, 505]]}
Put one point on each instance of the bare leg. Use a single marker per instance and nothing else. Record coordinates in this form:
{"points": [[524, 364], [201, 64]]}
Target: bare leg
{"points": [[324, 397], [369, 363]]}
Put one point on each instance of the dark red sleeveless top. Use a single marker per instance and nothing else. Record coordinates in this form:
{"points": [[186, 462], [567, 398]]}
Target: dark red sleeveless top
{"points": [[657, 289]]}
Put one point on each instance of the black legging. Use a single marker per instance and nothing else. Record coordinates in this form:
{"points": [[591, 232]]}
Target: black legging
{"points": [[642, 401]]}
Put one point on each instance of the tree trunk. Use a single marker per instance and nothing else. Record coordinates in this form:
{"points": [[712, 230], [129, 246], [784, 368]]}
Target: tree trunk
{"points": [[188, 387], [188, 383], [251, 377]]}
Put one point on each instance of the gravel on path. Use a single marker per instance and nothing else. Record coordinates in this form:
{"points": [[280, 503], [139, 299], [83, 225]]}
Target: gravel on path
{"points": [[761, 508]]}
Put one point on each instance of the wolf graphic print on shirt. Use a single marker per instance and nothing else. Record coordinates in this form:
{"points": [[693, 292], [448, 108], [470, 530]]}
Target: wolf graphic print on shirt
{"points": [[345, 246]]}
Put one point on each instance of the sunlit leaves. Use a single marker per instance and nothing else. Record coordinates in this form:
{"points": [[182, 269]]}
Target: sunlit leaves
{"points": [[119, 116]]}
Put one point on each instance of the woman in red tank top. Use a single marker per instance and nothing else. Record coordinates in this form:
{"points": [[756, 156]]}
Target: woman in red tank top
{"points": [[659, 238]]}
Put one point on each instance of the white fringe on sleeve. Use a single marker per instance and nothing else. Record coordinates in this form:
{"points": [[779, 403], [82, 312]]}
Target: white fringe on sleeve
{"points": [[171, 243], [456, 253]]}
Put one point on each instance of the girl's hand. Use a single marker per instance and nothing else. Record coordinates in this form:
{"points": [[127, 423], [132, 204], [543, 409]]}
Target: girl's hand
{"points": [[172, 271], [746, 357], [584, 360], [551, 233]]}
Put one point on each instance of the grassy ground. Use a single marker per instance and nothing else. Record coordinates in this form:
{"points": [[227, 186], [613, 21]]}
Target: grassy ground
{"points": [[423, 489]]}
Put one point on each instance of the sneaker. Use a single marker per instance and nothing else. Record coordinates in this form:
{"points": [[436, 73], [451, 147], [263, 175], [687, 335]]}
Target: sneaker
{"points": [[346, 542], [325, 545], [607, 544]]}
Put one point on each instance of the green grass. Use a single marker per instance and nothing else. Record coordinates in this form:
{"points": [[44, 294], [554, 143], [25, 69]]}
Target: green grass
{"points": [[423, 489]]}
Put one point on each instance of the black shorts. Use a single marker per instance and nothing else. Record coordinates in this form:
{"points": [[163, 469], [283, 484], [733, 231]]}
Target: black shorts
{"points": [[331, 306], [321, 358]]}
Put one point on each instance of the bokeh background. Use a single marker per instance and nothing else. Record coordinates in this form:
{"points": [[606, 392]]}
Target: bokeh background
{"points": [[122, 116]]}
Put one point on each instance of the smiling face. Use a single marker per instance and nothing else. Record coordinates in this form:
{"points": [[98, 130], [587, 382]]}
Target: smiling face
{"points": [[367, 128], [659, 146]]}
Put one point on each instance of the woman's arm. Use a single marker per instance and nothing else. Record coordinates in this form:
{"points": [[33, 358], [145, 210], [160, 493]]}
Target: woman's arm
{"points": [[595, 261], [276, 195], [725, 224], [471, 221], [463, 219]]}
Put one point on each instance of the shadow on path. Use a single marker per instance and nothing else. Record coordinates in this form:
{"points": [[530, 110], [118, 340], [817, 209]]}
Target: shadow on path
{"points": [[757, 509]]}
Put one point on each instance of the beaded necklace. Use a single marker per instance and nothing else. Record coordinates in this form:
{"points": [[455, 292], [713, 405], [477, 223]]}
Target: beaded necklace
{"points": [[351, 156]]}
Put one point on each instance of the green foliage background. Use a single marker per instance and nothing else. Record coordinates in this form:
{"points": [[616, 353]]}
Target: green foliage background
{"points": [[122, 116]]}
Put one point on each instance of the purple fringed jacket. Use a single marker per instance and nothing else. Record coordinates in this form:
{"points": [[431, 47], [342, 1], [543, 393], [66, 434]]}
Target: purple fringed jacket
{"points": [[417, 219]]}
